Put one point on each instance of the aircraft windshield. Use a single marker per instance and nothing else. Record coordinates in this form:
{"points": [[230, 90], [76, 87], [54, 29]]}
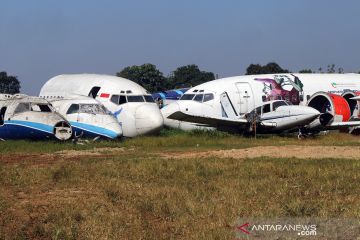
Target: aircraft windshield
{"points": [[121, 99], [278, 104], [93, 109], [135, 98], [34, 107], [187, 97], [149, 98], [198, 97]]}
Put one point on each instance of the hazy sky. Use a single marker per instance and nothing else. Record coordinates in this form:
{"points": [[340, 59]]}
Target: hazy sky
{"points": [[43, 38]]}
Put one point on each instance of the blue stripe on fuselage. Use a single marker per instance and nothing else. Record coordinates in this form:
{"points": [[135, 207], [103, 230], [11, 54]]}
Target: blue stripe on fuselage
{"points": [[17, 129], [92, 130]]}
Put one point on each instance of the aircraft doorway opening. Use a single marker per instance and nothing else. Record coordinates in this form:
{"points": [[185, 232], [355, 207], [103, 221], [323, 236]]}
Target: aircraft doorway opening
{"points": [[93, 92], [2, 116]]}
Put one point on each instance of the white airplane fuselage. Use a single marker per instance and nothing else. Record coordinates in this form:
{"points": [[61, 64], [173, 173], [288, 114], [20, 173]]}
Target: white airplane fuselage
{"points": [[24, 117], [88, 117], [327, 93], [130, 103]]}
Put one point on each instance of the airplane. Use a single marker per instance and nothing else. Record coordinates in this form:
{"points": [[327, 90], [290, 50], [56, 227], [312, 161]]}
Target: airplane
{"points": [[234, 98], [131, 104], [26, 117], [88, 117]]}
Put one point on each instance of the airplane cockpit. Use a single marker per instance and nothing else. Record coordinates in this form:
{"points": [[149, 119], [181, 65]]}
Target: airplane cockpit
{"points": [[270, 107]]}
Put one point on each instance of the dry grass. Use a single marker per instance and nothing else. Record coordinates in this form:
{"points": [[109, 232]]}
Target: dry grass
{"points": [[137, 194]]}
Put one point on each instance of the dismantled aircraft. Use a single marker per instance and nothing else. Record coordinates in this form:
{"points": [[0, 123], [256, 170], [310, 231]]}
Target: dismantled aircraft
{"points": [[131, 104], [88, 117], [237, 101], [25, 117]]}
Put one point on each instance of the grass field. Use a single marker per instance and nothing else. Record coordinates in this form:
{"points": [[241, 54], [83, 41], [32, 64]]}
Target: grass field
{"points": [[152, 188]]}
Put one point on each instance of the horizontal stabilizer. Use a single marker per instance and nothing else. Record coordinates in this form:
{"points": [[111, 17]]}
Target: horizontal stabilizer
{"points": [[209, 121]]}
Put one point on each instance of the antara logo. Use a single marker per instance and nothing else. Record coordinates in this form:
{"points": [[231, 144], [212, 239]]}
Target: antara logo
{"points": [[243, 228]]}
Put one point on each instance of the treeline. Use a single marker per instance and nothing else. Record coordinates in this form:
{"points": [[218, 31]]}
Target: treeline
{"points": [[152, 79]]}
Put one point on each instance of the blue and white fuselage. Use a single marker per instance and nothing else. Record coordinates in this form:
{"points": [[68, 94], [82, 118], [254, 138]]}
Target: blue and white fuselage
{"points": [[88, 117], [24, 117]]}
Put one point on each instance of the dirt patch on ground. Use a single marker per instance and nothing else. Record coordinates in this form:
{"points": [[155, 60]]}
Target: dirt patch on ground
{"points": [[68, 155], [314, 152]]}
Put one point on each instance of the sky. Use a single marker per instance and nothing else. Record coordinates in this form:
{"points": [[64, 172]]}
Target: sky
{"points": [[40, 39]]}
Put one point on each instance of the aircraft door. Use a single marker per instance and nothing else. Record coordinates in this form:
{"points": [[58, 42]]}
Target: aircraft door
{"points": [[246, 97]]}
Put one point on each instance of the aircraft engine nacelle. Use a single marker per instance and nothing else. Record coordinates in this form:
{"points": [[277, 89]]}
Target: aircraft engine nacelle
{"points": [[333, 108], [353, 104]]}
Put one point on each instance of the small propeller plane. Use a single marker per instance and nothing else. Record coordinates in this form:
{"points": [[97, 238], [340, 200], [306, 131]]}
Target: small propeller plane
{"points": [[26, 117], [273, 117], [88, 117]]}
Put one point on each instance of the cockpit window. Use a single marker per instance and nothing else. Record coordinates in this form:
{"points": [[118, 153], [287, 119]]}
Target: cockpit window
{"points": [[40, 108], [187, 97], [115, 99], [199, 97], [278, 104], [118, 99], [208, 97], [135, 98], [266, 108], [93, 109], [149, 98], [74, 108], [22, 107]]}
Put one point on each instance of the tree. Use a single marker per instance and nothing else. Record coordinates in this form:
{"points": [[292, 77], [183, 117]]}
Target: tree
{"points": [[272, 67], [9, 84], [146, 75], [190, 75], [306, 71]]}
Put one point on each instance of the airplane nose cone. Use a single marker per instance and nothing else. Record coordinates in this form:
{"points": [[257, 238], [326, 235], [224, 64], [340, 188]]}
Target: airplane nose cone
{"points": [[148, 119], [167, 111], [114, 129]]}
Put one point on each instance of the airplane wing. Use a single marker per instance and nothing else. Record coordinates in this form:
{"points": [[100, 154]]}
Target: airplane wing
{"points": [[337, 125], [209, 121]]}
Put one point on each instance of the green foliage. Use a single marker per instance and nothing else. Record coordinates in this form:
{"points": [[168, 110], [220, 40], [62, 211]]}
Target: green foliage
{"points": [[9, 84], [272, 67], [306, 71], [332, 69], [190, 75], [146, 75]]}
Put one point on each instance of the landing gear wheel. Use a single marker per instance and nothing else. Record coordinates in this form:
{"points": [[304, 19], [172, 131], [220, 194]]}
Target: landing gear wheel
{"points": [[301, 134]]}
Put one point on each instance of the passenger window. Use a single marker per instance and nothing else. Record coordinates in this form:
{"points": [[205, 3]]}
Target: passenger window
{"points": [[74, 108], [2, 115], [266, 108], [208, 97], [199, 98], [258, 110]]}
